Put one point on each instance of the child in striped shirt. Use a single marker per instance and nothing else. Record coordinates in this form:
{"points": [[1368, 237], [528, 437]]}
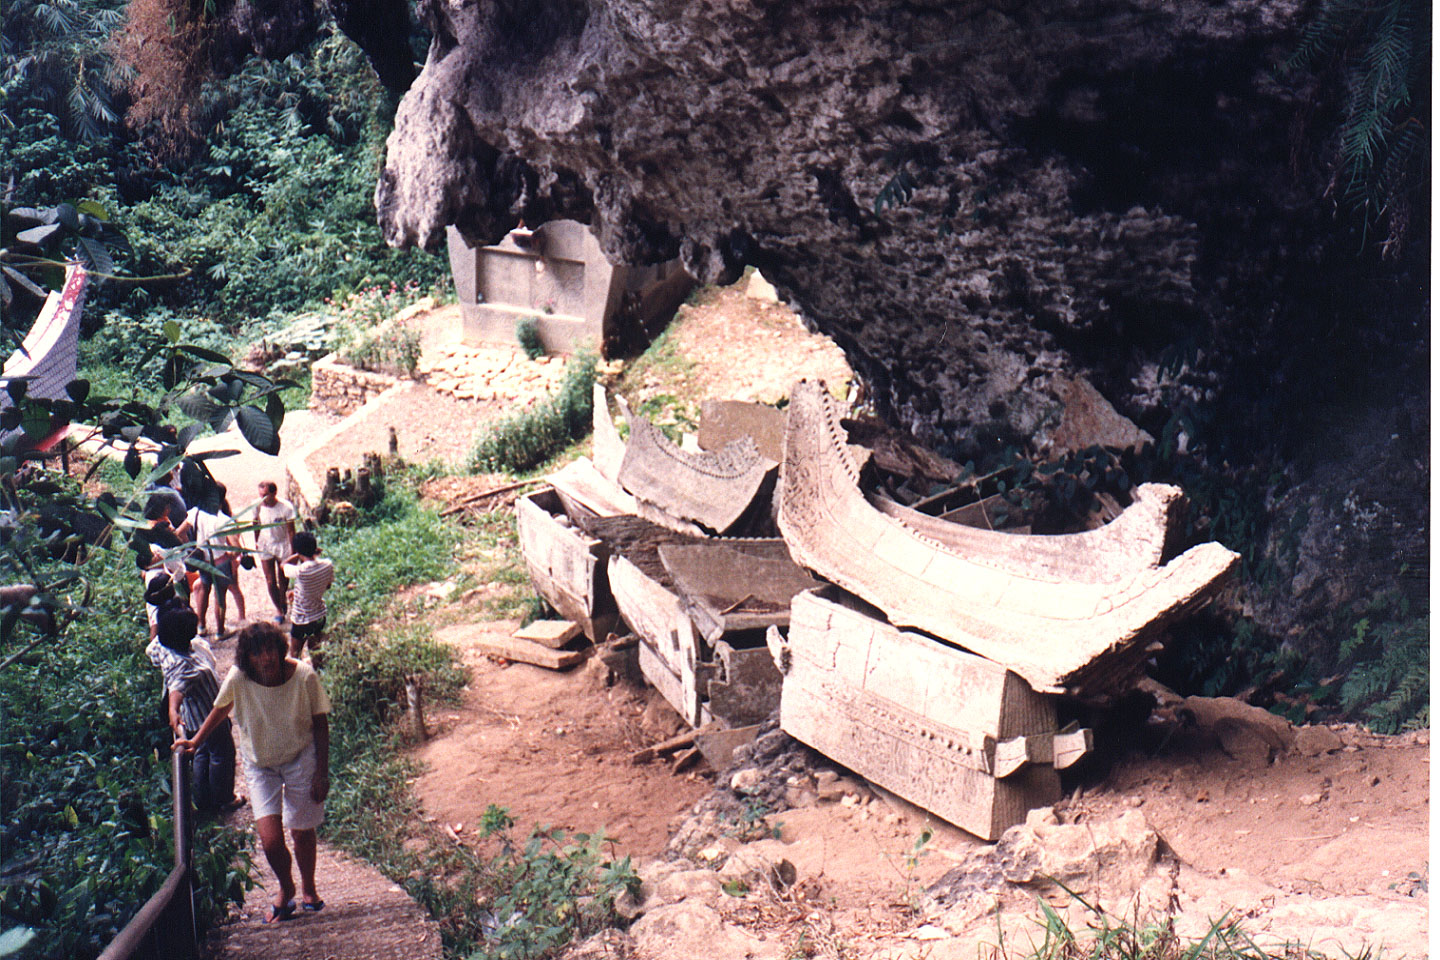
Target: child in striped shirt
{"points": [[311, 576], [188, 667]]}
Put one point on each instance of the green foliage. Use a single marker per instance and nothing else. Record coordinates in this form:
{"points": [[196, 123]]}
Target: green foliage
{"points": [[527, 331], [919, 849], [406, 545], [54, 58], [1381, 52], [393, 348], [1388, 681], [369, 336], [275, 212], [527, 439], [547, 890], [85, 784], [367, 677]]}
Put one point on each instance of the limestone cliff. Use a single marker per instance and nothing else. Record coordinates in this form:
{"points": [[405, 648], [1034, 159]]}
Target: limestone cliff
{"points": [[975, 200]]}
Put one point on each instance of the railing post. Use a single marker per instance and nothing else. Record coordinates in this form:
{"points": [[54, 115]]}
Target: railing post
{"points": [[184, 818]]}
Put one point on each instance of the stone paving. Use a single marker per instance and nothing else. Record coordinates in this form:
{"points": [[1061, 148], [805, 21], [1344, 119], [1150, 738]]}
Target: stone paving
{"points": [[490, 373]]}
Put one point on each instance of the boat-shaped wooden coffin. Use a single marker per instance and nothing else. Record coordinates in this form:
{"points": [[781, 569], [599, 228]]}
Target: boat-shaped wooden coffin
{"points": [[957, 734], [1073, 614]]}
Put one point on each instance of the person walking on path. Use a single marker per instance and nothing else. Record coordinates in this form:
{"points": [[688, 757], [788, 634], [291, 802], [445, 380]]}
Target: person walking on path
{"points": [[312, 575], [211, 536], [276, 530], [283, 714], [236, 560], [188, 667]]}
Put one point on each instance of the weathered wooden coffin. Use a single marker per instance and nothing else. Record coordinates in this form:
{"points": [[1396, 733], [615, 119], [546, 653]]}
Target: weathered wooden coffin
{"points": [[1018, 600], [957, 734], [566, 565], [728, 675]]}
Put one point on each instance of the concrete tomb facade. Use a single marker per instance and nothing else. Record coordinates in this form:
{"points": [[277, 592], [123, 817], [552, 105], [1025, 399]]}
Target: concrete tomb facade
{"points": [[557, 275]]}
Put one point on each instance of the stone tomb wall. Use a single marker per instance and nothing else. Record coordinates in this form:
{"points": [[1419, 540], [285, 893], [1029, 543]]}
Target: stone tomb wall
{"points": [[339, 389]]}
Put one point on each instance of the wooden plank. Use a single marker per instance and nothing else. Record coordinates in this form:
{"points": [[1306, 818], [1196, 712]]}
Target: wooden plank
{"points": [[608, 448], [580, 481], [657, 617], [719, 745], [728, 587], [659, 675], [479, 638], [549, 633], [646, 754]]}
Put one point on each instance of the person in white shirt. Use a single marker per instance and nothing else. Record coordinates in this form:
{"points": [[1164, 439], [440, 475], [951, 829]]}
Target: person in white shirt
{"points": [[313, 576], [276, 519], [210, 532], [283, 714]]}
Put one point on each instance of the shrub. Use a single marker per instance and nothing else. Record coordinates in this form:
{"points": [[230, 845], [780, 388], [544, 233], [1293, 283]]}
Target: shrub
{"points": [[393, 348], [1388, 682], [527, 439], [527, 331]]}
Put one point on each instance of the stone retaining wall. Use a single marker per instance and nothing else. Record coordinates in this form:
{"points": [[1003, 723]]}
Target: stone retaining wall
{"points": [[340, 389]]}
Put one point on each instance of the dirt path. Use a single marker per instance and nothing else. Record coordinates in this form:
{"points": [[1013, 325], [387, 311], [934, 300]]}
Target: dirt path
{"points": [[554, 749]]}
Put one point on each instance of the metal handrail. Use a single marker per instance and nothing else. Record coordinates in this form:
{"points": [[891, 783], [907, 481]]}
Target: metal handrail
{"points": [[165, 927]]}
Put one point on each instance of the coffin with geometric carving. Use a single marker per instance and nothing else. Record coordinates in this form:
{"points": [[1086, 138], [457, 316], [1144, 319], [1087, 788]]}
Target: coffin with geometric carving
{"points": [[954, 733], [1074, 614]]}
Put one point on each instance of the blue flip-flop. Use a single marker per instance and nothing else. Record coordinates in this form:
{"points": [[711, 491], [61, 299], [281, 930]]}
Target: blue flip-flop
{"points": [[277, 914], [315, 907]]}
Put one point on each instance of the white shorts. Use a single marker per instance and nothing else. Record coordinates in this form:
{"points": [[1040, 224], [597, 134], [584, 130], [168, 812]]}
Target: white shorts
{"points": [[272, 551], [286, 790]]}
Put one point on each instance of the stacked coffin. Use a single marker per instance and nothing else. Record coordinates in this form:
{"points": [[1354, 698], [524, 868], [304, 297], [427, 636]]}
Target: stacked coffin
{"points": [[931, 671], [926, 654], [649, 533]]}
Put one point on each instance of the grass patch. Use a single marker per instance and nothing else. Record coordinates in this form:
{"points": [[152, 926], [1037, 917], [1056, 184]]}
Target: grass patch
{"points": [[1107, 937], [530, 438], [658, 386]]}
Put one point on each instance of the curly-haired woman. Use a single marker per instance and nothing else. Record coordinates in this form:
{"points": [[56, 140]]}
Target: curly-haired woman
{"points": [[283, 715]]}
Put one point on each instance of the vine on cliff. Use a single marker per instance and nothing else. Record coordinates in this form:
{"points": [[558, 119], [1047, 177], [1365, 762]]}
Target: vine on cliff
{"points": [[1382, 53]]}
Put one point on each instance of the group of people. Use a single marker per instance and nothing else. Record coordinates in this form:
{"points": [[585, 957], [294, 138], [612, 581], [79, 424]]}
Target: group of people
{"points": [[278, 705]]}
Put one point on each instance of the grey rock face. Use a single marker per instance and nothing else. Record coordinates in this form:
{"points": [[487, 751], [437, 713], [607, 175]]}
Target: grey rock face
{"points": [[974, 201], [968, 200]]}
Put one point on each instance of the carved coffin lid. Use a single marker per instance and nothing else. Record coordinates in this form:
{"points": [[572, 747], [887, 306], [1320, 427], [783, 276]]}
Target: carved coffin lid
{"points": [[1052, 628], [710, 488], [745, 585], [1132, 542]]}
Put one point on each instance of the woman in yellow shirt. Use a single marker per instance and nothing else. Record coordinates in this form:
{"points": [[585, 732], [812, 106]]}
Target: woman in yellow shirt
{"points": [[282, 712]]}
